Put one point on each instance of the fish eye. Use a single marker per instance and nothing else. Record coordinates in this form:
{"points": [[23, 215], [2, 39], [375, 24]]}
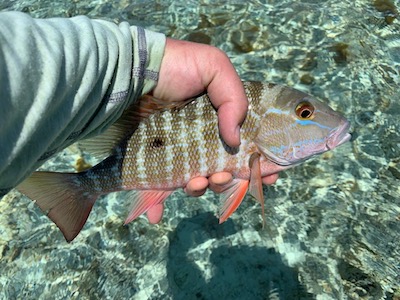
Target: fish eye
{"points": [[305, 110]]}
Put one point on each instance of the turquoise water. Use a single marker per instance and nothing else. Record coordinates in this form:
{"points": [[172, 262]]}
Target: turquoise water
{"points": [[333, 224]]}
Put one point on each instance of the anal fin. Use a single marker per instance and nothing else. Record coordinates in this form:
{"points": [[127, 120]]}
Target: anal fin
{"points": [[142, 201]]}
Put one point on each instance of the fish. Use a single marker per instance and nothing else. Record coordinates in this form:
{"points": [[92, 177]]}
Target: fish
{"points": [[173, 143]]}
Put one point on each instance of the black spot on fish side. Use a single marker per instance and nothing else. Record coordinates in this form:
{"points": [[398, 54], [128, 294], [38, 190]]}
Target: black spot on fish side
{"points": [[157, 143]]}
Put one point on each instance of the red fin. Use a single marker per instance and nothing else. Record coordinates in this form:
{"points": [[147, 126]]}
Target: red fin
{"points": [[143, 201], [65, 202], [255, 188], [231, 198]]}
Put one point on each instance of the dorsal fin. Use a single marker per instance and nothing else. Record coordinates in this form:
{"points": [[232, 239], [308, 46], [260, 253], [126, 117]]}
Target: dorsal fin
{"points": [[102, 145]]}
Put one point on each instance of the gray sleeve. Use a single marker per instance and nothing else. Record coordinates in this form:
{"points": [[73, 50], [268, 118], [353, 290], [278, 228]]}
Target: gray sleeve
{"points": [[65, 79]]}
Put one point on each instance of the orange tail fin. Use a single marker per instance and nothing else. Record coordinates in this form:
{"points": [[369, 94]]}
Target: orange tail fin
{"points": [[66, 203]]}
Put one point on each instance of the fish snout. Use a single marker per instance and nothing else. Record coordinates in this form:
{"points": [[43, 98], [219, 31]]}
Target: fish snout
{"points": [[339, 136]]}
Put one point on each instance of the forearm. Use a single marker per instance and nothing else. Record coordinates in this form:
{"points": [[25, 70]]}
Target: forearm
{"points": [[65, 79]]}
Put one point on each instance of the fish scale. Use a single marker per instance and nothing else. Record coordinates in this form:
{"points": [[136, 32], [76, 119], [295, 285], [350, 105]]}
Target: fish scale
{"points": [[192, 144], [173, 144]]}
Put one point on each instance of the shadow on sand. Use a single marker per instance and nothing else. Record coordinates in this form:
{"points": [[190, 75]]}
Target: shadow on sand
{"points": [[233, 272]]}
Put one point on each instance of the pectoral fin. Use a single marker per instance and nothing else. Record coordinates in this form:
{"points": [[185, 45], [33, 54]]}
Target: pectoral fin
{"points": [[255, 188], [231, 198], [142, 201]]}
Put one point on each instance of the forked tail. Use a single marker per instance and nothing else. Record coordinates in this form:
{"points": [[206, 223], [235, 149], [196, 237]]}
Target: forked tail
{"points": [[60, 195]]}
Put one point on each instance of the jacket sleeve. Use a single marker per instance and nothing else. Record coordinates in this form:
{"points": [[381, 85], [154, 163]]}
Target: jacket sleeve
{"points": [[65, 79]]}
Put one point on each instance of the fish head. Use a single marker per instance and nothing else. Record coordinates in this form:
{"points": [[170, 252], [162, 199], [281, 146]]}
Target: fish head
{"points": [[294, 127]]}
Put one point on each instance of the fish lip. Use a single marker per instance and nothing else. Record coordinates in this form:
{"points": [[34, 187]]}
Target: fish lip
{"points": [[339, 136]]}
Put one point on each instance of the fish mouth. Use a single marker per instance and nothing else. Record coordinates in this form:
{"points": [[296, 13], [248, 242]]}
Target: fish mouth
{"points": [[340, 136]]}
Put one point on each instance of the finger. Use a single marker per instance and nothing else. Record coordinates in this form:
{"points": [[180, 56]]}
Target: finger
{"points": [[218, 181], [228, 96], [220, 178], [155, 213], [229, 121], [196, 186], [270, 179]]}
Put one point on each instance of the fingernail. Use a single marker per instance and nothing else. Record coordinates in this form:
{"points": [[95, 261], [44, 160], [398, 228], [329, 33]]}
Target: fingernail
{"points": [[237, 134]]}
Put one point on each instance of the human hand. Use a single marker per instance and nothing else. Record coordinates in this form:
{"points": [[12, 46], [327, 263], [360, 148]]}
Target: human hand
{"points": [[187, 70]]}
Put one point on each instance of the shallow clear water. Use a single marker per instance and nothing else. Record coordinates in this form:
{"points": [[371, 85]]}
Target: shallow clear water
{"points": [[333, 224]]}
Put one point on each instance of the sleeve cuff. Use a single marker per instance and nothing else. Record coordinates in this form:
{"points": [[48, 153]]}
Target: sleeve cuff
{"points": [[148, 52]]}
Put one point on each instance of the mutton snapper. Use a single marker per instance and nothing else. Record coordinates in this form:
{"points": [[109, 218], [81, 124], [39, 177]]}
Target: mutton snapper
{"points": [[283, 127]]}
